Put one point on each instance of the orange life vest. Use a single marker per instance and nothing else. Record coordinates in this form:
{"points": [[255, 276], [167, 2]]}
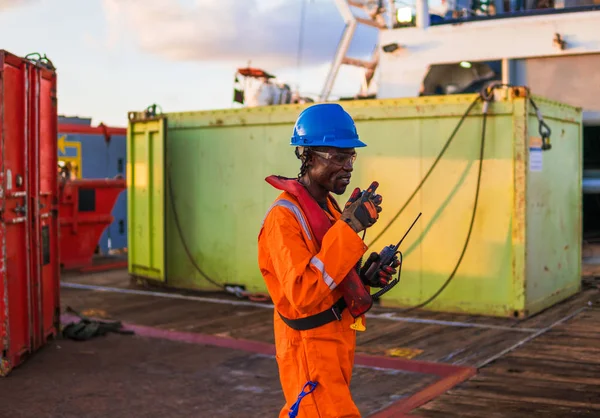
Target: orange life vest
{"points": [[356, 296]]}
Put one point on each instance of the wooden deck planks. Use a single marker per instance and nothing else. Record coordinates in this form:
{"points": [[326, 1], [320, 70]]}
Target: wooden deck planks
{"points": [[453, 345], [555, 370], [433, 342], [460, 406], [557, 374]]}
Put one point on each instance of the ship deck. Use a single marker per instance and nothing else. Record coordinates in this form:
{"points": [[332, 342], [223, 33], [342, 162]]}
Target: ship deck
{"points": [[213, 355]]}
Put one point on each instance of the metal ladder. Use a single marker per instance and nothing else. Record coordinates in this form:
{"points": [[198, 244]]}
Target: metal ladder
{"points": [[376, 11]]}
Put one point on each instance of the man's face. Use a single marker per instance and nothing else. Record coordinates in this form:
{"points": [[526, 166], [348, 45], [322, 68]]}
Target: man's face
{"points": [[331, 168]]}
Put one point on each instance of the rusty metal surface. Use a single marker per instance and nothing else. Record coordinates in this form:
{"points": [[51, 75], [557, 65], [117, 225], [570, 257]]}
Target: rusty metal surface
{"points": [[130, 376]]}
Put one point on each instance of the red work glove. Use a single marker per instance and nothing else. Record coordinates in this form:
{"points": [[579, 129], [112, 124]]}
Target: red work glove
{"points": [[383, 275], [362, 209]]}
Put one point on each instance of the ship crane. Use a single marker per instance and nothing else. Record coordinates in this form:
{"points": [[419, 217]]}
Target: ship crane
{"points": [[376, 10]]}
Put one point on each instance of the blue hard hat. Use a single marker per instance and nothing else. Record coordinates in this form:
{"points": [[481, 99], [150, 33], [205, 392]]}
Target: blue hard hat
{"points": [[325, 125]]}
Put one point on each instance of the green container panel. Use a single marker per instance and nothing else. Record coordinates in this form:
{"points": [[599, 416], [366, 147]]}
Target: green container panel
{"points": [[146, 199], [524, 252]]}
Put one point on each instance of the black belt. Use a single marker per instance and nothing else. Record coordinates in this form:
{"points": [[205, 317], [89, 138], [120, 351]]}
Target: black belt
{"points": [[329, 315]]}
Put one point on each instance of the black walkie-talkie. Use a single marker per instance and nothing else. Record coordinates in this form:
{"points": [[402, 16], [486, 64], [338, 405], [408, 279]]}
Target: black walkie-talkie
{"points": [[385, 259]]}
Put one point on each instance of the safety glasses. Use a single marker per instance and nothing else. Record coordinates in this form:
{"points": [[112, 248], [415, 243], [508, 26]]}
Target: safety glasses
{"points": [[337, 158]]}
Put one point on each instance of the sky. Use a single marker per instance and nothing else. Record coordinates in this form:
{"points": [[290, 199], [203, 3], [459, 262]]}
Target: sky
{"points": [[115, 56]]}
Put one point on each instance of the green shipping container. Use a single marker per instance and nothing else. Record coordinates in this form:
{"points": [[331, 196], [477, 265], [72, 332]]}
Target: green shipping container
{"points": [[524, 253]]}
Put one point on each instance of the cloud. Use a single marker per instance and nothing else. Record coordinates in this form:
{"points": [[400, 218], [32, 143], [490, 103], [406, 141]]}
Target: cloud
{"points": [[265, 32], [9, 4]]}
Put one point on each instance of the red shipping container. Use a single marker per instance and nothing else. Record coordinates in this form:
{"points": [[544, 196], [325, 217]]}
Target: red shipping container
{"points": [[85, 207], [29, 258]]}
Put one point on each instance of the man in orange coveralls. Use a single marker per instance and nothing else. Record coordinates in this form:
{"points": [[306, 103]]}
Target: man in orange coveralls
{"points": [[304, 265]]}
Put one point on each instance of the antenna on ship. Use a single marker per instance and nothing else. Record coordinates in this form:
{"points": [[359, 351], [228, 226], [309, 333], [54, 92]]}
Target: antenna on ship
{"points": [[300, 45]]}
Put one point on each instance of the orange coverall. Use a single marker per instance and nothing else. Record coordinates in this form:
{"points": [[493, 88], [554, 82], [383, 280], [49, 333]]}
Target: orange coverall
{"points": [[301, 280]]}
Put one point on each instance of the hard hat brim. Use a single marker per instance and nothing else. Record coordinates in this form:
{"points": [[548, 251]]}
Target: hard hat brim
{"points": [[338, 143]]}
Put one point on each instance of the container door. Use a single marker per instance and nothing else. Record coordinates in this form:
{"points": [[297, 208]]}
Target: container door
{"points": [[44, 191], [146, 197], [29, 276], [18, 329]]}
